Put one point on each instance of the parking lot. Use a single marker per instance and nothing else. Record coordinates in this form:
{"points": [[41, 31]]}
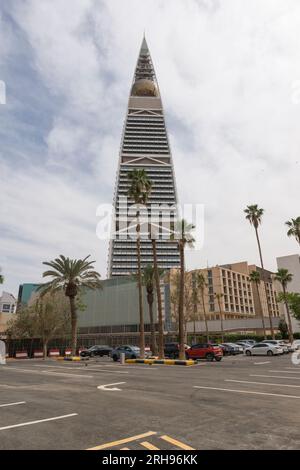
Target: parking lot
{"points": [[239, 403]]}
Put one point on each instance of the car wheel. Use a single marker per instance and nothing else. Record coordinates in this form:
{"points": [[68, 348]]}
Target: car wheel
{"points": [[270, 353], [133, 356], [115, 358], [248, 353], [209, 357], [218, 359]]}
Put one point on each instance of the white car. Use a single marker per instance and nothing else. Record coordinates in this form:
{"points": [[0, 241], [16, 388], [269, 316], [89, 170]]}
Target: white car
{"points": [[278, 342], [263, 349], [296, 345]]}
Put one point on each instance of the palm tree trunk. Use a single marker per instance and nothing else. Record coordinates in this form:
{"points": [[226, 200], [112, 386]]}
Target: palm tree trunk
{"points": [[181, 302], [261, 311], [205, 318], [221, 318], [45, 347], [161, 353], [142, 329], [73, 325], [152, 327], [291, 336], [264, 281]]}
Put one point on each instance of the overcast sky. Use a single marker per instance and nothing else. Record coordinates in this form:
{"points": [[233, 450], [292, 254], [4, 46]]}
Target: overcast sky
{"points": [[229, 75]]}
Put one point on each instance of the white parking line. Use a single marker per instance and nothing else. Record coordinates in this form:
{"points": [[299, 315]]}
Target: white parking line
{"points": [[259, 363], [286, 371], [275, 376], [261, 383], [247, 392], [13, 404], [38, 421], [87, 369], [47, 372]]}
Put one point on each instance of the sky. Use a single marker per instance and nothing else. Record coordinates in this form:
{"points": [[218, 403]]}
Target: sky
{"points": [[229, 76]]}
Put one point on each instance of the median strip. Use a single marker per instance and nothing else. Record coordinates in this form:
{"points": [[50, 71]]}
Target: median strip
{"points": [[166, 362]]}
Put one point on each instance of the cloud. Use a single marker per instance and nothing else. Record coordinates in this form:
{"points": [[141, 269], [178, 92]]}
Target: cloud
{"points": [[226, 72]]}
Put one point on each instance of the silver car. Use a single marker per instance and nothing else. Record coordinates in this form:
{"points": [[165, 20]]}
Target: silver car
{"points": [[263, 349], [278, 342]]}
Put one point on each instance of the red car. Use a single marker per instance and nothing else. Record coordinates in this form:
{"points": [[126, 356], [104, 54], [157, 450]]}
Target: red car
{"points": [[205, 351]]}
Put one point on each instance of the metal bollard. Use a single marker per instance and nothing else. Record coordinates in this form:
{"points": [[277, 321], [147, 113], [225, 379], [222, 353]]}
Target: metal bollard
{"points": [[122, 359]]}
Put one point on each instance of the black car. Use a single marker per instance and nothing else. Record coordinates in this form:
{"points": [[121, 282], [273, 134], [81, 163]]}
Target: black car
{"points": [[97, 350], [172, 350]]}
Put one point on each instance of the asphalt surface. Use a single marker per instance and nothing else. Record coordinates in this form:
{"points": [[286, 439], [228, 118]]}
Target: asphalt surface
{"points": [[239, 403]]}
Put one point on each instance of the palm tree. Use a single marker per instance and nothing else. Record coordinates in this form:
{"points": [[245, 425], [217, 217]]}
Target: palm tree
{"points": [[254, 215], [157, 273], [255, 278], [148, 281], [139, 192], [294, 228], [201, 284], [183, 236], [284, 277], [71, 275], [198, 286], [218, 297]]}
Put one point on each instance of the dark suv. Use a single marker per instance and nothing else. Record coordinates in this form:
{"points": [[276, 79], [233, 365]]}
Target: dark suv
{"points": [[96, 351], [172, 350]]}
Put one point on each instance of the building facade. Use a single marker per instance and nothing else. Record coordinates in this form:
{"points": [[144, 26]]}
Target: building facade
{"points": [[145, 145], [229, 295], [292, 264]]}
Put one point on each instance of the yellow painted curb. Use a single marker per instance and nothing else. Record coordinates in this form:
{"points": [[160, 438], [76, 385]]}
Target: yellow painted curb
{"points": [[166, 362]]}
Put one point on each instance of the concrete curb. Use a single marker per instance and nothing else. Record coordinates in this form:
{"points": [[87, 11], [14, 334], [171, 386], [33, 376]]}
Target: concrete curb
{"points": [[166, 362]]}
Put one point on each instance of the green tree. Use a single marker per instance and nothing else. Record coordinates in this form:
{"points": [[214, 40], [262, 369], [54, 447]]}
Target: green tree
{"points": [[72, 276], [254, 216], [283, 328], [293, 299], [218, 297], [48, 316], [183, 236], [284, 277], [1, 278], [294, 228], [139, 191], [255, 278]]}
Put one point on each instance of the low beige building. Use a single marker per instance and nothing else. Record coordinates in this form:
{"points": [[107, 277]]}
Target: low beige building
{"points": [[228, 293]]}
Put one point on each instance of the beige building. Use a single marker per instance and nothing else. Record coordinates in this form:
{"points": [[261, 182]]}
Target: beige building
{"points": [[239, 299]]}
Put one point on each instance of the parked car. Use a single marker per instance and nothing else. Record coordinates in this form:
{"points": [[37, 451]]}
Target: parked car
{"points": [[279, 343], [296, 345], [131, 352], [97, 350], [231, 349], [206, 351], [250, 341], [172, 350], [263, 349], [244, 344]]}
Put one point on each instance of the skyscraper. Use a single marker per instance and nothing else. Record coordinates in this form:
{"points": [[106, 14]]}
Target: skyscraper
{"points": [[144, 145]]}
